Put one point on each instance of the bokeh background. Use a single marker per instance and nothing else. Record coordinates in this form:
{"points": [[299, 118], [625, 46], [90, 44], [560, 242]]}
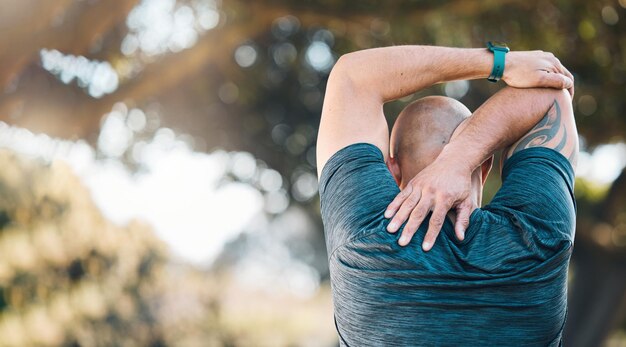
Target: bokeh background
{"points": [[157, 160]]}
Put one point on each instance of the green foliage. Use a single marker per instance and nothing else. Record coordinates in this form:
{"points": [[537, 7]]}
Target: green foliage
{"points": [[590, 191], [68, 277]]}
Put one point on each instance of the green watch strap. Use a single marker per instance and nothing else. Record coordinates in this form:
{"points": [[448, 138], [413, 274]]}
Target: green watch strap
{"points": [[499, 52]]}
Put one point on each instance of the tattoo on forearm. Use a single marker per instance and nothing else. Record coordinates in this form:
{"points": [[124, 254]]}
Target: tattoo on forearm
{"points": [[546, 130], [546, 133]]}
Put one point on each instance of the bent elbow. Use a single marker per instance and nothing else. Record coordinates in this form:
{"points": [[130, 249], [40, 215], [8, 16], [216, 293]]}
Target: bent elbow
{"points": [[343, 71], [342, 66]]}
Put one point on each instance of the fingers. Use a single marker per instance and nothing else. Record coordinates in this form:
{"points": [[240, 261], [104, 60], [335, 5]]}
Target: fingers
{"points": [[435, 225], [557, 80], [403, 213], [413, 205], [398, 200], [417, 217], [569, 74], [463, 212], [564, 71]]}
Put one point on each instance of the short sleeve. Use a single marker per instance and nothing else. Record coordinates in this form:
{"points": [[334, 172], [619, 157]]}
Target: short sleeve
{"points": [[537, 193], [355, 188]]}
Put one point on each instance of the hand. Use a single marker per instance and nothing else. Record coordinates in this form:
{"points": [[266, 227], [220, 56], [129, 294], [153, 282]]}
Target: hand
{"points": [[441, 186], [532, 69]]}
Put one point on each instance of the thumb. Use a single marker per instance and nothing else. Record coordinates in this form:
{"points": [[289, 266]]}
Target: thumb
{"points": [[558, 81], [463, 212]]}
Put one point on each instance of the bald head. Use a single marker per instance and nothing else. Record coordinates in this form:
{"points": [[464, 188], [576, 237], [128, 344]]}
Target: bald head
{"points": [[422, 129]]}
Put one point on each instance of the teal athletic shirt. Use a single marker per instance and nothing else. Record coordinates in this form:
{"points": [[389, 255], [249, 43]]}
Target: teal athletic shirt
{"points": [[504, 285]]}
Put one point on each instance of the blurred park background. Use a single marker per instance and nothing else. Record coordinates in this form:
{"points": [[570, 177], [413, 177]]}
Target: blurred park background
{"points": [[157, 160]]}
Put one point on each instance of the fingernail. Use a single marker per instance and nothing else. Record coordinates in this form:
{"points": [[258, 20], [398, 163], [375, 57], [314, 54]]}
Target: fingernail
{"points": [[462, 234], [387, 213], [404, 240], [392, 227], [426, 246]]}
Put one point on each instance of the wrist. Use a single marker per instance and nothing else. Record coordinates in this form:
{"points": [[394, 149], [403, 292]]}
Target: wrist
{"points": [[481, 61], [454, 157], [499, 51]]}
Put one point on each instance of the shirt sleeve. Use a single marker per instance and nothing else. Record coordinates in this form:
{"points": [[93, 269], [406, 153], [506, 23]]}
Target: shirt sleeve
{"points": [[538, 193], [355, 188]]}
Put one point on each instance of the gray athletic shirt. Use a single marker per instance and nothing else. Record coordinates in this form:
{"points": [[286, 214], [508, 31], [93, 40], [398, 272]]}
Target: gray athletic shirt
{"points": [[504, 285]]}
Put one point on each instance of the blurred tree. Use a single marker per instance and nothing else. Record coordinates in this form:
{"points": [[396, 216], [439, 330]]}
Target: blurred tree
{"points": [[68, 276], [255, 82]]}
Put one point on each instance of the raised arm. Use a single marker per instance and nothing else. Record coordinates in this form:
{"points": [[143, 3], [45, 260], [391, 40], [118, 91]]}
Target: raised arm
{"points": [[361, 82], [513, 119]]}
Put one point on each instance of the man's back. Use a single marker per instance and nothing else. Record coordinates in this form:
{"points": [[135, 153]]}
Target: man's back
{"points": [[504, 284]]}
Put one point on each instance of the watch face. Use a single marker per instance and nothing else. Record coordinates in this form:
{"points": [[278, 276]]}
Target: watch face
{"points": [[498, 45]]}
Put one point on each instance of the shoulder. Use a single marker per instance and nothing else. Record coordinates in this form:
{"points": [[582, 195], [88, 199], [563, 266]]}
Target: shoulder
{"points": [[538, 193], [351, 161], [356, 174], [355, 188]]}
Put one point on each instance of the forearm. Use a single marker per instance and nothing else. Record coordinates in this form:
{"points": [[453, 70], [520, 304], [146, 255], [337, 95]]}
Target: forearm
{"points": [[498, 123], [395, 72]]}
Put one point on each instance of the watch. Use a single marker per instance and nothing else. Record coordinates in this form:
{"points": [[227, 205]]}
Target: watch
{"points": [[499, 50]]}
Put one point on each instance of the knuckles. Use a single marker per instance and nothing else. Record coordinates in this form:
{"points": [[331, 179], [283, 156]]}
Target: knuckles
{"points": [[413, 199], [446, 198], [430, 189], [436, 220]]}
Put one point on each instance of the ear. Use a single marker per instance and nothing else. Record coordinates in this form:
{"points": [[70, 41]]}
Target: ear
{"points": [[394, 168], [485, 168]]}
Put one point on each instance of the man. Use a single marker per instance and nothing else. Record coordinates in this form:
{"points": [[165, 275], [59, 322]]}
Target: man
{"points": [[499, 277]]}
